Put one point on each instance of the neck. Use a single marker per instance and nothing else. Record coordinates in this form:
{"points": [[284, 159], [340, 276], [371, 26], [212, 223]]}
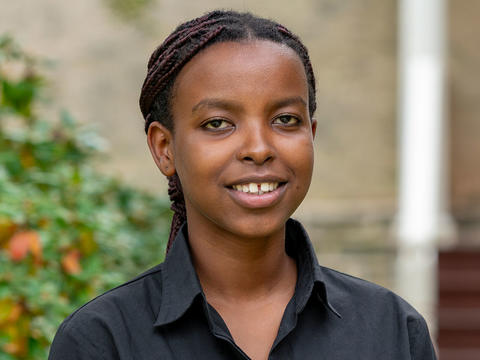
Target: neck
{"points": [[238, 269]]}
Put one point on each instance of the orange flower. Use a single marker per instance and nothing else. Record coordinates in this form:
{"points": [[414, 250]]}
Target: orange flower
{"points": [[23, 242], [71, 262]]}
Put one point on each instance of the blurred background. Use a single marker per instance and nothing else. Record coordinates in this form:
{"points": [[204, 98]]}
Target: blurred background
{"points": [[80, 195]]}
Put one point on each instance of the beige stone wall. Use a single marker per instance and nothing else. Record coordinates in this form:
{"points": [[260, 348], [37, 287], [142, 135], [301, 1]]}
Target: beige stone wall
{"points": [[100, 62]]}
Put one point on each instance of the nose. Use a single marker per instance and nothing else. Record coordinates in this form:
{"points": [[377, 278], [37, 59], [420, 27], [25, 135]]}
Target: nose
{"points": [[256, 147]]}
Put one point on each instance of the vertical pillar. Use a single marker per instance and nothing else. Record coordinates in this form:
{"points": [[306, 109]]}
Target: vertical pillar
{"points": [[422, 218]]}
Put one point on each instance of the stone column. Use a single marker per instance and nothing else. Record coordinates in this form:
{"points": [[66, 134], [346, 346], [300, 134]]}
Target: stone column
{"points": [[422, 218]]}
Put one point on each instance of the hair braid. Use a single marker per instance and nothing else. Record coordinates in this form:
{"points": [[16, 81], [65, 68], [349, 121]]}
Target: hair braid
{"points": [[306, 61], [165, 66], [182, 45], [178, 206]]}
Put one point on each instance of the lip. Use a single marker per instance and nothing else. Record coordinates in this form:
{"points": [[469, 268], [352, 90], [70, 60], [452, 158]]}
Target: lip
{"points": [[254, 201], [257, 179]]}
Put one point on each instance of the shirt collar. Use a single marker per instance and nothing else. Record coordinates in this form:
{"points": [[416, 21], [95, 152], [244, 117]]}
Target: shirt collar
{"points": [[180, 284], [310, 274]]}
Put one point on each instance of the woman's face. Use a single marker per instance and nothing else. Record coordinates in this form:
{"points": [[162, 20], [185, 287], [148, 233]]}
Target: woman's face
{"points": [[243, 141]]}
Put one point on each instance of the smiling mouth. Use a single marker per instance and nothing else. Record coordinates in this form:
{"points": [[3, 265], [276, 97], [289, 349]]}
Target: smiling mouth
{"points": [[257, 188]]}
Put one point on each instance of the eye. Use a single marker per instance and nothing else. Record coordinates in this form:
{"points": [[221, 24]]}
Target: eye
{"points": [[217, 124], [286, 120]]}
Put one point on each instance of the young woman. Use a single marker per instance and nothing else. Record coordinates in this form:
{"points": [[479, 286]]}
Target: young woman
{"points": [[228, 103]]}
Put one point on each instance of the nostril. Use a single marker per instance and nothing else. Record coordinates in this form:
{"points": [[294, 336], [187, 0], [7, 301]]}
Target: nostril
{"points": [[257, 160], [256, 156]]}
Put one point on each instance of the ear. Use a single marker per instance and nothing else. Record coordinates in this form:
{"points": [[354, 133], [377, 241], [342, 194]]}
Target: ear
{"points": [[160, 142], [314, 127]]}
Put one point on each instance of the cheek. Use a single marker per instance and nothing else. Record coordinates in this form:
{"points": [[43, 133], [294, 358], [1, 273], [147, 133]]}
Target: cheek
{"points": [[305, 159], [300, 154], [198, 161]]}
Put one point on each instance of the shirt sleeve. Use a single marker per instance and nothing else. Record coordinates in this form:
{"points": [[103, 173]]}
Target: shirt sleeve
{"points": [[79, 338], [421, 347]]}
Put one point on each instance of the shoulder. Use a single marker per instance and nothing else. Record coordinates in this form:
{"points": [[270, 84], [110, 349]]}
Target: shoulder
{"points": [[368, 306], [352, 293], [88, 331], [141, 290]]}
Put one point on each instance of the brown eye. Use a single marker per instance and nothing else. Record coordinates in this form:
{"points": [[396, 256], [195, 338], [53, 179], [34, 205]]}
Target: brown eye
{"points": [[286, 120], [217, 124]]}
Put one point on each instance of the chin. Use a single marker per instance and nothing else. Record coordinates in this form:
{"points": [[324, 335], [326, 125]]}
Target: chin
{"points": [[257, 227]]}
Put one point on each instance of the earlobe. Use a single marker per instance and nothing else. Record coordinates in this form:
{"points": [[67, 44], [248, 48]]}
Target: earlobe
{"points": [[159, 140]]}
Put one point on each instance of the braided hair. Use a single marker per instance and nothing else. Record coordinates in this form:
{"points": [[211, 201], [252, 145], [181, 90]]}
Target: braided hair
{"points": [[182, 45]]}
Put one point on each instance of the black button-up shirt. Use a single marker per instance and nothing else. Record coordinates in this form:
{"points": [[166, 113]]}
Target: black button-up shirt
{"points": [[163, 314]]}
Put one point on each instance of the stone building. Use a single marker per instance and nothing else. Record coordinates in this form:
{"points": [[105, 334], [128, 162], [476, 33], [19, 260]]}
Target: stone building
{"points": [[100, 47]]}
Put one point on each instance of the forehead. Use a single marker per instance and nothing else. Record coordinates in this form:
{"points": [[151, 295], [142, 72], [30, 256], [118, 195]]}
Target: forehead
{"points": [[235, 66]]}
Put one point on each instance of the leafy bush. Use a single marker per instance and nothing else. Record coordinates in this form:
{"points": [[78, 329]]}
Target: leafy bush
{"points": [[67, 233]]}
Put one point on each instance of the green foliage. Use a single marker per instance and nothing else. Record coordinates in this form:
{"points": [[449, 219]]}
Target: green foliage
{"points": [[129, 10], [67, 233]]}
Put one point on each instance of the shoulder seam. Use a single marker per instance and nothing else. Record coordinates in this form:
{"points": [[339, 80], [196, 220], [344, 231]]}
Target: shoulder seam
{"points": [[66, 329], [354, 277], [412, 338]]}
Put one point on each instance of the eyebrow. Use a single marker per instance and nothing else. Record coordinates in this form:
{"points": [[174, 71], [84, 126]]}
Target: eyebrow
{"points": [[234, 105], [287, 101], [217, 103]]}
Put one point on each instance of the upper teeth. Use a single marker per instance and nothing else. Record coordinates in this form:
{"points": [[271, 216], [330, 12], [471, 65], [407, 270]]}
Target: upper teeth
{"points": [[255, 188]]}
